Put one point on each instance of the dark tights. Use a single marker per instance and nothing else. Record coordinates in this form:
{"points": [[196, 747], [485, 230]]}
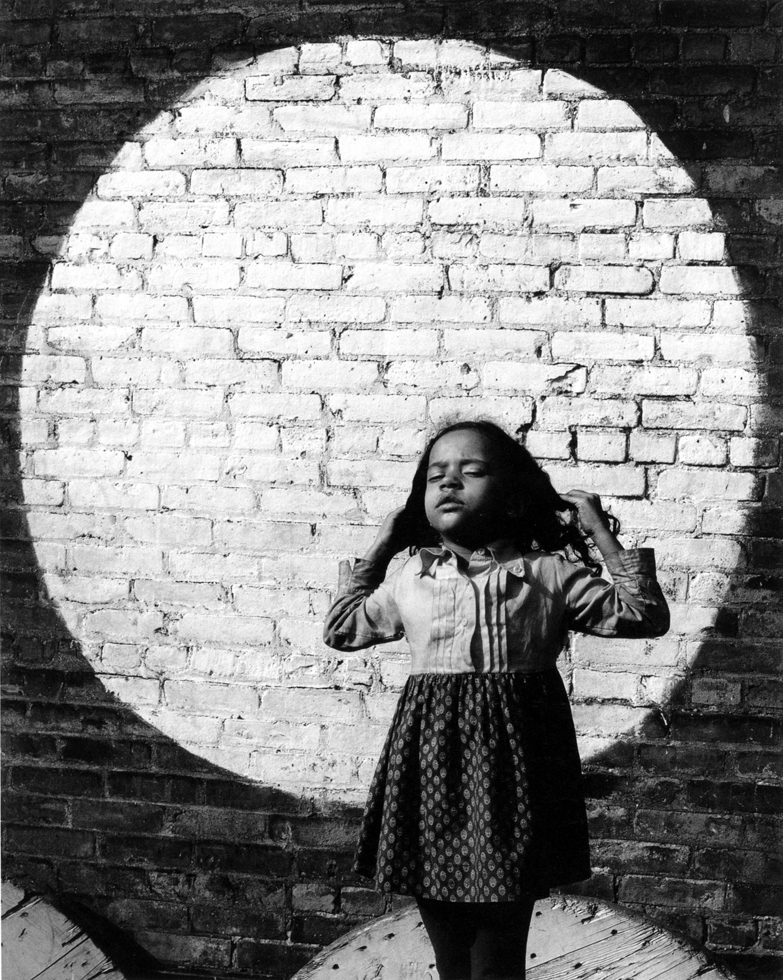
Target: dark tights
{"points": [[477, 940]]}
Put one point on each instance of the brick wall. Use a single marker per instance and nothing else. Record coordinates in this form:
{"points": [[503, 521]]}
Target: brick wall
{"points": [[247, 277]]}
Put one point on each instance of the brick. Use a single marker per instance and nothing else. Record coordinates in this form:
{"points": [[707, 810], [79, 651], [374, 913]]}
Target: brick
{"points": [[609, 279], [311, 374], [688, 415], [535, 248], [704, 484], [652, 312], [591, 346], [293, 276], [491, 146], [282, 88], [421, 115], [616, 181], [384, 86], [341, 309], [498, 278], [711, 347], [539, 178], [575, 214], [141, 183], [322, 120], [481, 211], [333, 180], [391, 277], [192, 152], [96, 276], [236, 183], [457, 309], [606, 114], [560, 413], [389, 343], [220, 310], [538, 116], [383, 408], [376, 147], [536, 377], [445, 179], [617, 480], [700, 279], [279, 214], [375, 212], [546, 310], [643, 380], [596, 148], [289, 153], [433, 374], [170, 216], [466, 341]]}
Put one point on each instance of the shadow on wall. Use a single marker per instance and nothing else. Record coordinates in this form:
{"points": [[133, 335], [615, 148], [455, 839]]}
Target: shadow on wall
{"points": [[199, 864]]}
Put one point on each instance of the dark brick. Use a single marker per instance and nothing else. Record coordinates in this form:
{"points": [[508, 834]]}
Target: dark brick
{"points": [[641, 858], [338, 831], [32, 746], [704, 47], [105, 33], [730, 932], [712, 13], [272, 958], [731, 865], [606, 13], [57, 782], [159, 787], [322, 929], [156, 852], [51, 841], [250, 796], [32, 810], [227, 888], [682, 758], [268, 860], [102, 751], [722, 728], [127, 817], [135, 914], [604, 49], [324, 862], [559, 49], [361, 901], [757, 898], [656, 48], [182, 30], [763, 765], [248, 922], [672, 891], [677, 825]]}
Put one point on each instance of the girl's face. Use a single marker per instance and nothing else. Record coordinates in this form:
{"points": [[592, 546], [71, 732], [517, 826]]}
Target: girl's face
{"points": [[465, 497]]}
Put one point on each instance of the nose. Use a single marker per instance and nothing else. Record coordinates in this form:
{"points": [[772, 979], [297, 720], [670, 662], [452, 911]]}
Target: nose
{"points": [[449, 479]]}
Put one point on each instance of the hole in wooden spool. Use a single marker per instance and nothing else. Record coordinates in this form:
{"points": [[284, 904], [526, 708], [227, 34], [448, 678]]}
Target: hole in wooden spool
{"points": [[389, 936]]}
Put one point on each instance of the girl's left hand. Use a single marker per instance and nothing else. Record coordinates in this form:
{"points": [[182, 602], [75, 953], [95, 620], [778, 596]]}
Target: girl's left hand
{"points": [[588, 509]]}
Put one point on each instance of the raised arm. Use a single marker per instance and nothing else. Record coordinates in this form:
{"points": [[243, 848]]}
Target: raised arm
{"points": [[632, 604], [364, 611]]}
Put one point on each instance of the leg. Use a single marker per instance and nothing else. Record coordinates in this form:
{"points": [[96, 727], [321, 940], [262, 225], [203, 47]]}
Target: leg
{"points": [[451, 940], [499, 949]]}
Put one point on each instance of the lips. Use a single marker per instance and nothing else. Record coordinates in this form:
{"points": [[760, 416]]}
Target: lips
{"points": [[449, 503]]}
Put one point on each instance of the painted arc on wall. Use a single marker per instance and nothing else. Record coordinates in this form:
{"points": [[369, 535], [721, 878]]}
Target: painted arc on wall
{"points": [[278, 286]]}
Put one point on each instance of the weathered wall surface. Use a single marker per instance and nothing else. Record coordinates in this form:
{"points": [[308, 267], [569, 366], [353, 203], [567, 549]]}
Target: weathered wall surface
{"points": [[253, 259]]}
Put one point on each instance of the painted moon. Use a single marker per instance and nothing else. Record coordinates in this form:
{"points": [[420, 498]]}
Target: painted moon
{"points": [[279, 285]]}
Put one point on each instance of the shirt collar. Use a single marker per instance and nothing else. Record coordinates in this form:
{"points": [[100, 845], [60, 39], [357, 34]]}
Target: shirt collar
{"points": [[507, 556]]}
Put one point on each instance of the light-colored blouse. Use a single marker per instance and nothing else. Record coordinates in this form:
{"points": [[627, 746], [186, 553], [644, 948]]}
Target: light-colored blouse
{"points": [[500, 611]]}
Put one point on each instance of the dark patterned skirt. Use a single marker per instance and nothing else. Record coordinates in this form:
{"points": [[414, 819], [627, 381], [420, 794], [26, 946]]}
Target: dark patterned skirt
{"points": [[477, 795]]}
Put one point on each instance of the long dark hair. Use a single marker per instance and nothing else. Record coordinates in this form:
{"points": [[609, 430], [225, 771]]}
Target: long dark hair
{"points": [[535, 507]]}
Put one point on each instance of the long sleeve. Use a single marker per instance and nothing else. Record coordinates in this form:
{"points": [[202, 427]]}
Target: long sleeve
{"points": [[631, 605], [364, 611]]}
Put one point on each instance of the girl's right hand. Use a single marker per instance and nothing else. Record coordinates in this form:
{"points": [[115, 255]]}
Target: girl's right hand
{"points": [[392, 536]]}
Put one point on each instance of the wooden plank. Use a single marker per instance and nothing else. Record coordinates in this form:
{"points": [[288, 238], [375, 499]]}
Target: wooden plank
{"points": [[40, 943], [570, 939]]}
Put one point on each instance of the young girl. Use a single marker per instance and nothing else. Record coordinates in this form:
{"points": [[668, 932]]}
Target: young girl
{"points": [[476, 806]]}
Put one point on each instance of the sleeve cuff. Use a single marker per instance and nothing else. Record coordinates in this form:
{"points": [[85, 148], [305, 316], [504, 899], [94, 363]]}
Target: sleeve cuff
{"points": [[631, 561]]}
